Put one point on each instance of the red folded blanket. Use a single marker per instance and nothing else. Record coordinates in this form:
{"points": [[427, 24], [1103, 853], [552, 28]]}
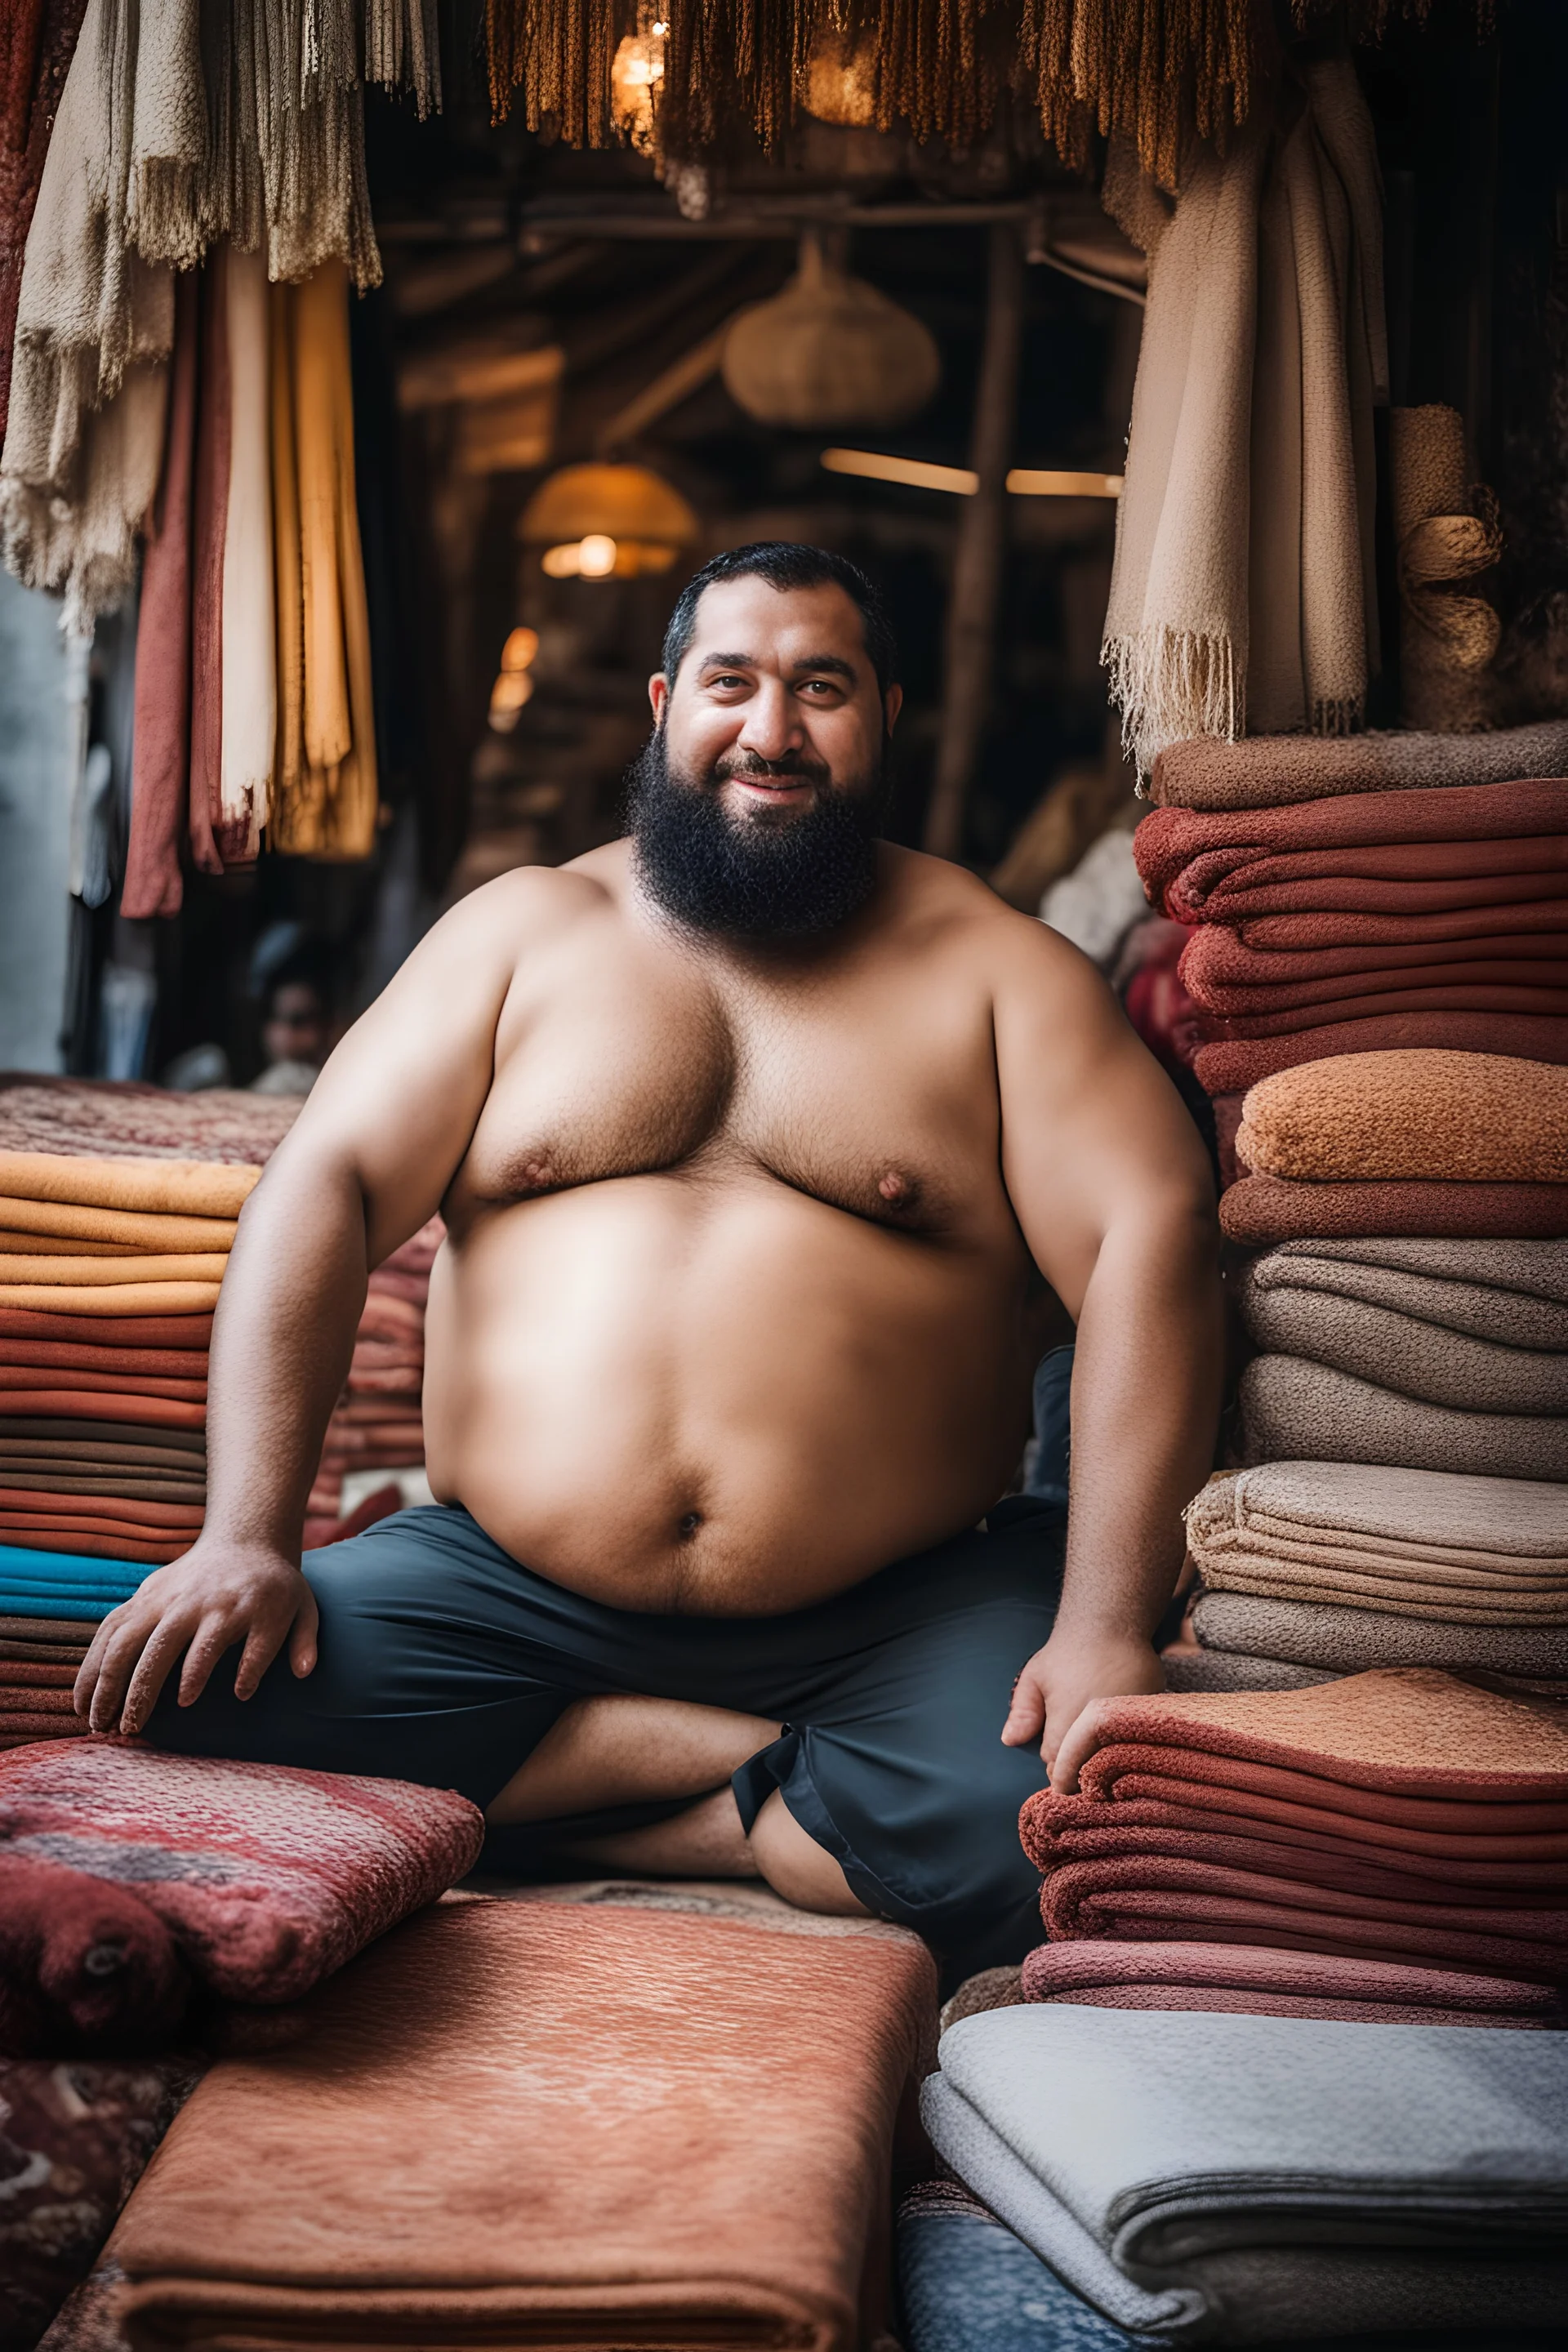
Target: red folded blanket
{"points": [[1224, 974], [134, 1332], [1406, 880], [170, 1517], [1271, 1982], [114, 1541], [1262, 1209], [30, 1380], [1531, 921], [1237, 1818], [1364, 1002], [103, 1404], [84, 1965], [160, 1363], [268, 1877], [1231, 839], [1231, 1065]]}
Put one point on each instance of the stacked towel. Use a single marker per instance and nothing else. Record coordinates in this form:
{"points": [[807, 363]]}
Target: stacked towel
{"points": [[377, 1423], [1264, 1983], [1401, 1816], [548, 2122], [51, 1604], [1235, 2179], [260, 1879], [108, 1273]]}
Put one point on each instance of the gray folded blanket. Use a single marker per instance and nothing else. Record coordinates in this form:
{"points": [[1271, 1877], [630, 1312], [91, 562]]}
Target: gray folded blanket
{"points": [[1317, 1634], [1513, 1292], [1238, 2179], [1294, 1410], [1226, 1670]]}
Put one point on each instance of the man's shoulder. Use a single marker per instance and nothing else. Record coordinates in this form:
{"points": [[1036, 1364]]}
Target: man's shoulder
{"points": [[530, 899], [966, 911]]}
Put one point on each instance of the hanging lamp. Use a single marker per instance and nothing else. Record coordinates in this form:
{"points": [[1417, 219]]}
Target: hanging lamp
{"points": [[607, 521], [829, 350]]}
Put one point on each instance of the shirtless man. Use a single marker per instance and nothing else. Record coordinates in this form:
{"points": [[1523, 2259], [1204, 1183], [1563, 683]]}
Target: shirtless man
{"points": [[754, 1137]]}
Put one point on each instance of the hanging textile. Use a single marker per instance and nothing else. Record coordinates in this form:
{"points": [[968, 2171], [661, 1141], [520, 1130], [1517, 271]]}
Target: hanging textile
{"points": [[1244, 595], [250, 701], [38, 41], [160, 737], [210, 522], [326, 798]]}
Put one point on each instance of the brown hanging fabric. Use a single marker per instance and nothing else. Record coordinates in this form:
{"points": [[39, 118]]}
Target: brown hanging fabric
{"points": [[558, 54], [1158, 71]]}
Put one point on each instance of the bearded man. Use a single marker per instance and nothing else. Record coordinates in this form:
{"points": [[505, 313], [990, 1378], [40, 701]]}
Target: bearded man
{"points": [[762, 1147]]}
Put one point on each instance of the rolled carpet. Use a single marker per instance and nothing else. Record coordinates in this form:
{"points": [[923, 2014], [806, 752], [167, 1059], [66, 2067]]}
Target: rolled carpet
{"points": [[1262, 1209], [1352, 1817], [1447, 1117], [1345, 1641], [1464, 1551], [1293, 1411], [1400, 821], [1247, 1979], [1234, 2179], [1417, 1356], [1231, 1065], [1274, 771], [549, 2123]]}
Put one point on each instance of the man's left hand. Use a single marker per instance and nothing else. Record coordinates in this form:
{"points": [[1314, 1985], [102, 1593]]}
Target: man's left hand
{"points": [[1062, 1696]]}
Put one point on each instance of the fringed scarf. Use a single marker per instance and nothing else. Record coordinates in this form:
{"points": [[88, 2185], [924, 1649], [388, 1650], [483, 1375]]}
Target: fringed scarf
{"points": [[1160, 71]]}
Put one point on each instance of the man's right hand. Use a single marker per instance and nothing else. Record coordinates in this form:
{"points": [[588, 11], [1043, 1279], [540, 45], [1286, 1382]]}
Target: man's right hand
{"points": [[219, 1593]]}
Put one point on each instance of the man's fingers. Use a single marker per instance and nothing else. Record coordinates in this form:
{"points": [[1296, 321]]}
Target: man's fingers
{"points": [[214, 1635], [262, 1645], [1078, 1744], [303, 1639], [1026, 1715], [163, 1646], [91, 1666], [114, 1671]]}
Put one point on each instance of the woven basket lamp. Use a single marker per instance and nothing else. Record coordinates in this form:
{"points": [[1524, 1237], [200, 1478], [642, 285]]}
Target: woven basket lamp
{"points": [[829, 350], [608, 522]]}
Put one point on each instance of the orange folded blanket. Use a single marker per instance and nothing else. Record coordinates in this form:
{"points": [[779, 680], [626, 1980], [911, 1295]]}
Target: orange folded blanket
{"points": [[1272, 770], [188, 1188], [1446, 1116], [1397, 1815], [29, 1379], [543, 2123], [1265, 1982], [1231, 1065], [114, 1299], [56, 1273], [1261, 1210], [149, 1230], [102, 1404], [179, 1332]]}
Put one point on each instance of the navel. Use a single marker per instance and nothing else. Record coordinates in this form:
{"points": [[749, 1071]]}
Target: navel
{"points": [[687, 1526]]}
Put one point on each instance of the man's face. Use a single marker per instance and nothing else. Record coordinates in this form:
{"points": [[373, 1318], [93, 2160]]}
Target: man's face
{"points": [[295, 1029], [759, 799]]}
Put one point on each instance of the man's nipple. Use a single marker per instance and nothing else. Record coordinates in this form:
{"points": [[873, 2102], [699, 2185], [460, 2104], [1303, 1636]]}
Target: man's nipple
{"points": [[897, 1191]]}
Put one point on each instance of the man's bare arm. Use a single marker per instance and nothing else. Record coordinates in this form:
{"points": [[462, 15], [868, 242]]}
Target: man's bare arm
{"points": [[366, 1163], [1113, 1191]]}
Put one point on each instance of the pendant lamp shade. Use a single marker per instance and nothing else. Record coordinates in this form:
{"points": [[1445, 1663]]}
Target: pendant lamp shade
{"points": [[829, 350], [603, 522]]}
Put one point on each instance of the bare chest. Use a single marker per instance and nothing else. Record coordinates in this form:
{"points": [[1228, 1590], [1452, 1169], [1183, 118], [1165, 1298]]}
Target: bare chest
{"points": [[872, 1090]]}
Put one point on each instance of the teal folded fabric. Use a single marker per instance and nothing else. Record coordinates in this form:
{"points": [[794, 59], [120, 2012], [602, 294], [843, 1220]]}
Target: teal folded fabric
{"points": [[64, 1584]]}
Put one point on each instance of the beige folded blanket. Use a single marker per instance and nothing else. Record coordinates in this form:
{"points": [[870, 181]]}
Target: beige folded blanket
{"points": [[1297, 1410], [1353, 1640], [1417, 1356], [195, 1188], [1278, 771], [1470, 1550], [1515, 1292], [1220, 1670], [1458, 1118]]}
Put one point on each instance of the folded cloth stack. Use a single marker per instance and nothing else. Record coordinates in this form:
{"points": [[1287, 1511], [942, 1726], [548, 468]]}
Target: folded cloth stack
{"points": [[51, 1604], [108, 1273], [1381, 919], [377, 1423], [1240, 2179], [613, 2121], [255, 1881], [1335, 1568], [1397, 1815]]}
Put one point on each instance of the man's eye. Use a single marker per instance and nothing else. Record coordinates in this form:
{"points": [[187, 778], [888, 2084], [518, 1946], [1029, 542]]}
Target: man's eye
{"points": [[726, 680], [819, 686]]}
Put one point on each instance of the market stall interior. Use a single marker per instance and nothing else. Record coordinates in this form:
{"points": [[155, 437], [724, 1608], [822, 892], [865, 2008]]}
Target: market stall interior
{"points": [[1190, 377]]}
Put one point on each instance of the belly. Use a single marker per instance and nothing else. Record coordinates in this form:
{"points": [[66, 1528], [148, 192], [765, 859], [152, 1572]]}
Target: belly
{"points": [[720, 1396]]}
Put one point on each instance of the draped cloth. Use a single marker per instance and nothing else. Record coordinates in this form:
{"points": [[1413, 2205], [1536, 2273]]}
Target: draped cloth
{"points": [[160, 738]]}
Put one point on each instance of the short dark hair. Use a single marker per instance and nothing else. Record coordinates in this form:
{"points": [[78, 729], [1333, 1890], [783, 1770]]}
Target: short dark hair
{"points": [[786, 563]]}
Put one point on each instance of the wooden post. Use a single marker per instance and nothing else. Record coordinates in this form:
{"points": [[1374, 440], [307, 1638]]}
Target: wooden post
{"points": [[980, 549]]}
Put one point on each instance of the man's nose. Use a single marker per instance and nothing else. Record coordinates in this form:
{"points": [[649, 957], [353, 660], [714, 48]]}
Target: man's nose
{"points": [[772, 725]]}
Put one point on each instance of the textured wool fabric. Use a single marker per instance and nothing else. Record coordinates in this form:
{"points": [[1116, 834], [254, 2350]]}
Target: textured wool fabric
{"points": [[84, 1965], [1188, 1668], [92, 1117], [1513, 1291], [83, 2132], [1261, 1210], [1224, 975], [1350, 1640], [266, 1877], [1294, 1410], [1188, 2174], [1231, 1065], [209, 521], [1293, 933], [1274, 771], [160, 779], [1480, 983], [1402, 881], [1174, 838], [1245, 1979], [1473, 1118], [650, 2084], [40, 39], [1417, 1357]]}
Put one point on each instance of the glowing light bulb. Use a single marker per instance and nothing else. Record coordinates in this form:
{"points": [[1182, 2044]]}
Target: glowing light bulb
{"points": [[596, 555], [519, 649]]}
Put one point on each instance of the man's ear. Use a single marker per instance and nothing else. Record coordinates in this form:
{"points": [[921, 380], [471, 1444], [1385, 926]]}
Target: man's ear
{"points": [[892, 703], [659, 696]]}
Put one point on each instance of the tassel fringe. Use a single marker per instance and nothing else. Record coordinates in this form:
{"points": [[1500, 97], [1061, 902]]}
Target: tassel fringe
{"points": [[1161, 679]]}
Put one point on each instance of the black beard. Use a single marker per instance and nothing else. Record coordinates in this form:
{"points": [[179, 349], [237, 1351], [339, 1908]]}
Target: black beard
{"points": [[760, 881]]}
